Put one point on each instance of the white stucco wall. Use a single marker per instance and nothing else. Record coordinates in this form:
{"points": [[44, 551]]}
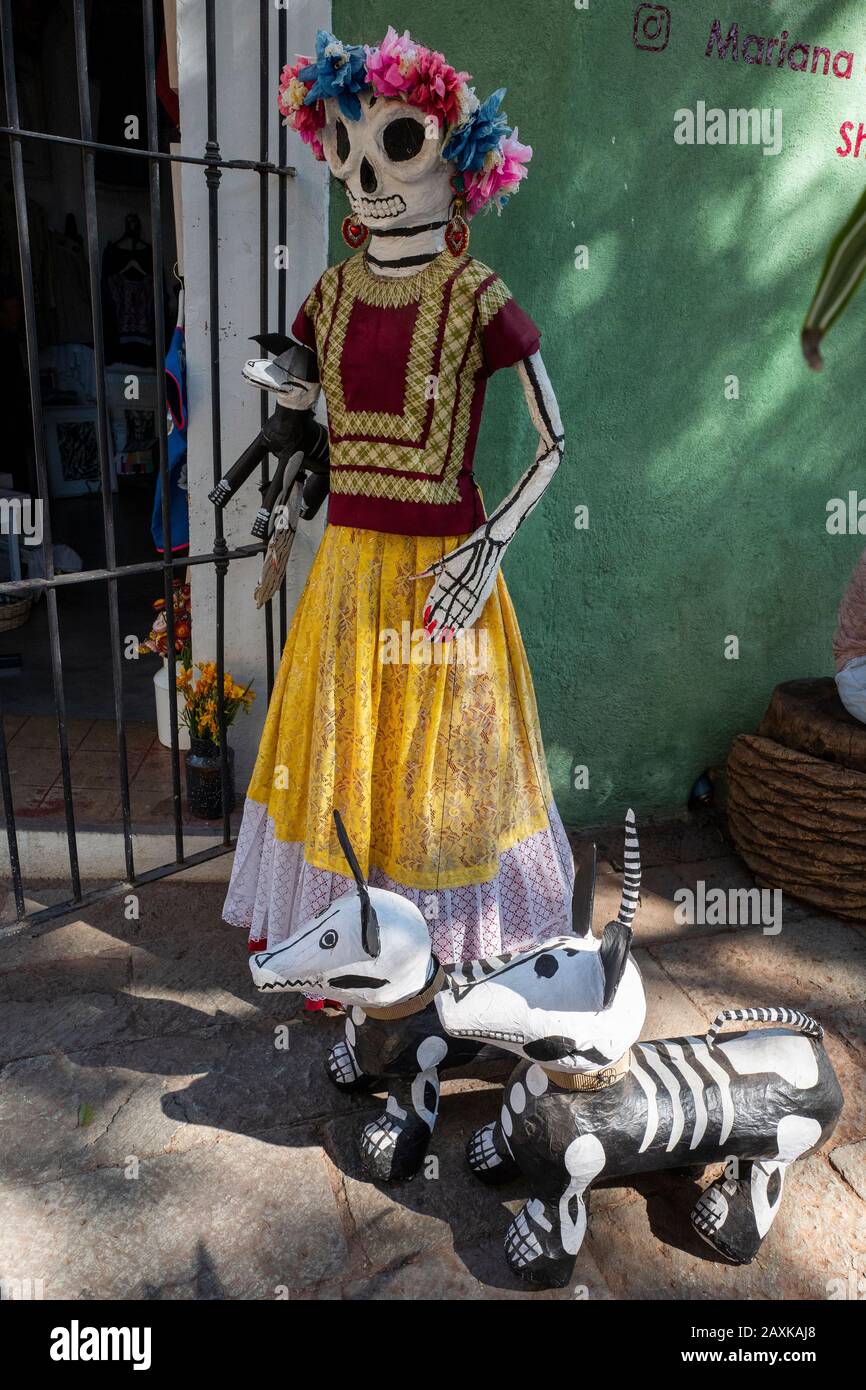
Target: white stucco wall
{"points": [[237, 46]]}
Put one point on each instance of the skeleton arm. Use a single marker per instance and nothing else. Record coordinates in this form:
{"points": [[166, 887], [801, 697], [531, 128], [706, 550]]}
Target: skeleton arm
{"points": [[466, 575]]}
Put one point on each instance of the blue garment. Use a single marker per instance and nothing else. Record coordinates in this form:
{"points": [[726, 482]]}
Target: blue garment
{"points": [[176, 424], [851, 684]]}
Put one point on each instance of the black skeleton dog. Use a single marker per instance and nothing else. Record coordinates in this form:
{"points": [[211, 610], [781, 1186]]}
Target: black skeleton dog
{"points": [[586, 1102]]}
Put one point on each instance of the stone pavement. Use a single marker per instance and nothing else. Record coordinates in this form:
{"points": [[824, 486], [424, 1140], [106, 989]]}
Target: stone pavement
{"points": [[156, 1142]]}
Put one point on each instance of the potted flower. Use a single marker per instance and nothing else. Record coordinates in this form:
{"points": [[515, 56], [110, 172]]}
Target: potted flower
{"points": [[201, 717], [157, 642]]}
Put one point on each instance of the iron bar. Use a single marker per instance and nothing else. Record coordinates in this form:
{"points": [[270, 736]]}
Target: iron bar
{"points": [[161, 413], [97, 895], [104, 454], [11, 835], [282, 234], [28, 295], [212, 178], [265, 98], [60, 581], [287, 171]]}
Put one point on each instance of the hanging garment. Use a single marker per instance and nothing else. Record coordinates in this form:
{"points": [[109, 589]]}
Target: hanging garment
{"points": [[432, 753], [176, 424], [127, 304]]}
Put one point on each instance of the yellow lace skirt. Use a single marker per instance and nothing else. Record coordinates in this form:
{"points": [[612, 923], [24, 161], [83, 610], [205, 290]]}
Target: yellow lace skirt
{"points": [[432, 753]]}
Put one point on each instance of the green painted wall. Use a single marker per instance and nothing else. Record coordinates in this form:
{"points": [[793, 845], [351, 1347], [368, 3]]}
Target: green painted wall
{"points": [[707, 517]]}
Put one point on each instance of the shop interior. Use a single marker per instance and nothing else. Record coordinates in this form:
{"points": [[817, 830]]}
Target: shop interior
{"points": [[65, 294]]}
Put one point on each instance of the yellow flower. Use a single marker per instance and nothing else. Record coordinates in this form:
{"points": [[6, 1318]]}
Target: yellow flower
{"points": [[295, 94]]}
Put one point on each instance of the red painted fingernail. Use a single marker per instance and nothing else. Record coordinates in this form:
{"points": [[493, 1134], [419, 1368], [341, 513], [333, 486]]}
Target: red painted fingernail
{"points": [[430, 627], [427, 611]]}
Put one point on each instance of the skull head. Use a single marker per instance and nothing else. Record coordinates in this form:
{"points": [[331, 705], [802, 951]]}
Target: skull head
{"points": [[390, 161]]}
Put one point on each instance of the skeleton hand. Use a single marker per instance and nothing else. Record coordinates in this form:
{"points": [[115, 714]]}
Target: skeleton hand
{"points": [[465, 577], [464, 582]]}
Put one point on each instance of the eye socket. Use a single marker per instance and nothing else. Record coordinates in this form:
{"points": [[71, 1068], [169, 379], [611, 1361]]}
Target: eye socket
{"points": [[342, 142], [402, 139], [328, 940]]}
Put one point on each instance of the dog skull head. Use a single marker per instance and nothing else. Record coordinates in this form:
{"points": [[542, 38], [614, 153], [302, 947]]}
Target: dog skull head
{"points": [[367, 948], [390, 162]]}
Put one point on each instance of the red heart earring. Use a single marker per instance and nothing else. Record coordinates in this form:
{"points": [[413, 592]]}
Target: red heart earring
{"points": [[354, 233], [457, 231]]}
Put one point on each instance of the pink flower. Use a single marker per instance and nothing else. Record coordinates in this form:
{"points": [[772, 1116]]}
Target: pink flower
{"points": [[306, 120], [438, 87], [500, 176], [390, 67], [400, 69]]}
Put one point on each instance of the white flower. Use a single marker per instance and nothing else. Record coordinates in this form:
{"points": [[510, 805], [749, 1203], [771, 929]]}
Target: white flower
{"points": [[467, 101]]}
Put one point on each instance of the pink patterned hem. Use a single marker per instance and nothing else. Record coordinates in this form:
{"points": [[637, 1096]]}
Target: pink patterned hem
{"points": [[273, 891]]}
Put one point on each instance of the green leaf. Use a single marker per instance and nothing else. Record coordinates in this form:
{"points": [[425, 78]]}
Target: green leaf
{"points": [[841, 276]]}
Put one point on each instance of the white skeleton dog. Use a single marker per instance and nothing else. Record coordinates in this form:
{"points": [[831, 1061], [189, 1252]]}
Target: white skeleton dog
{"points": [[586, 1102]]}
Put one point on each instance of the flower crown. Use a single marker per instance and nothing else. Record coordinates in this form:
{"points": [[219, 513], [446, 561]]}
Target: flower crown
{"points": [[478, 139]]}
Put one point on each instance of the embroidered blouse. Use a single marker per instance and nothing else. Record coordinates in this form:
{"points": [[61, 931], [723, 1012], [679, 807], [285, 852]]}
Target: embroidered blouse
{"points": [[404, 365]]}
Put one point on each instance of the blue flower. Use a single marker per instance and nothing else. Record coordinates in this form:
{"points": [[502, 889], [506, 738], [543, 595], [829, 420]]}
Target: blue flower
{"points": [[340, 71], [473, 141]]}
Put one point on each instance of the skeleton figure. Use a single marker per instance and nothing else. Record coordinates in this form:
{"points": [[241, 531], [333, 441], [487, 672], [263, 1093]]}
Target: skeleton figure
{"points": [[405, 335], [399, 185], [761, 1098], [574, 1003]]}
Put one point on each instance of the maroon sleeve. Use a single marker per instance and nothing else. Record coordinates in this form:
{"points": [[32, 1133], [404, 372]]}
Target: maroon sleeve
{"points": [[303, 329], [509, 337], [304, 326]]}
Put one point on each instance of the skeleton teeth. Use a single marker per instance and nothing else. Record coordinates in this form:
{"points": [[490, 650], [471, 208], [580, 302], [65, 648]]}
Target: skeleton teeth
{"points": [[374, 208]]}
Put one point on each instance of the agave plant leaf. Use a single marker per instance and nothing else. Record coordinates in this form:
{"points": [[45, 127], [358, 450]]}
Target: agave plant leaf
{"points": [[839, 281]]}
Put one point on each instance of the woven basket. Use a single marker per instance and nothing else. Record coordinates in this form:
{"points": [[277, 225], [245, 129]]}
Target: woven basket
{"points": [[15, 613], [800, 823]]}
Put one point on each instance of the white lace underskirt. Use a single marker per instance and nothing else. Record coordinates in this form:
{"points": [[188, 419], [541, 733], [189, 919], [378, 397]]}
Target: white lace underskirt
{"points": [[273, 891]]}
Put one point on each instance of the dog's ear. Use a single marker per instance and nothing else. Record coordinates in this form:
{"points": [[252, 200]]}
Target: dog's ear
{"points": [[613, 953], [370, 938], [583, 897], [617, 938], [273, 342]]}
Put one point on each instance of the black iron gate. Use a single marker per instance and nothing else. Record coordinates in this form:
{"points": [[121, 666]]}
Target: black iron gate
{"points": [[220, 556]]}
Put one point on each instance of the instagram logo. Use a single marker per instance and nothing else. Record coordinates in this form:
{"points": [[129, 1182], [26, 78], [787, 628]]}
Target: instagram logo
{"points": [[652, 27]]}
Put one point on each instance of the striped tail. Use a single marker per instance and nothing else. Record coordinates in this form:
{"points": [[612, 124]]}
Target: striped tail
{"points": [[802, 1022], [631, 873]]}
